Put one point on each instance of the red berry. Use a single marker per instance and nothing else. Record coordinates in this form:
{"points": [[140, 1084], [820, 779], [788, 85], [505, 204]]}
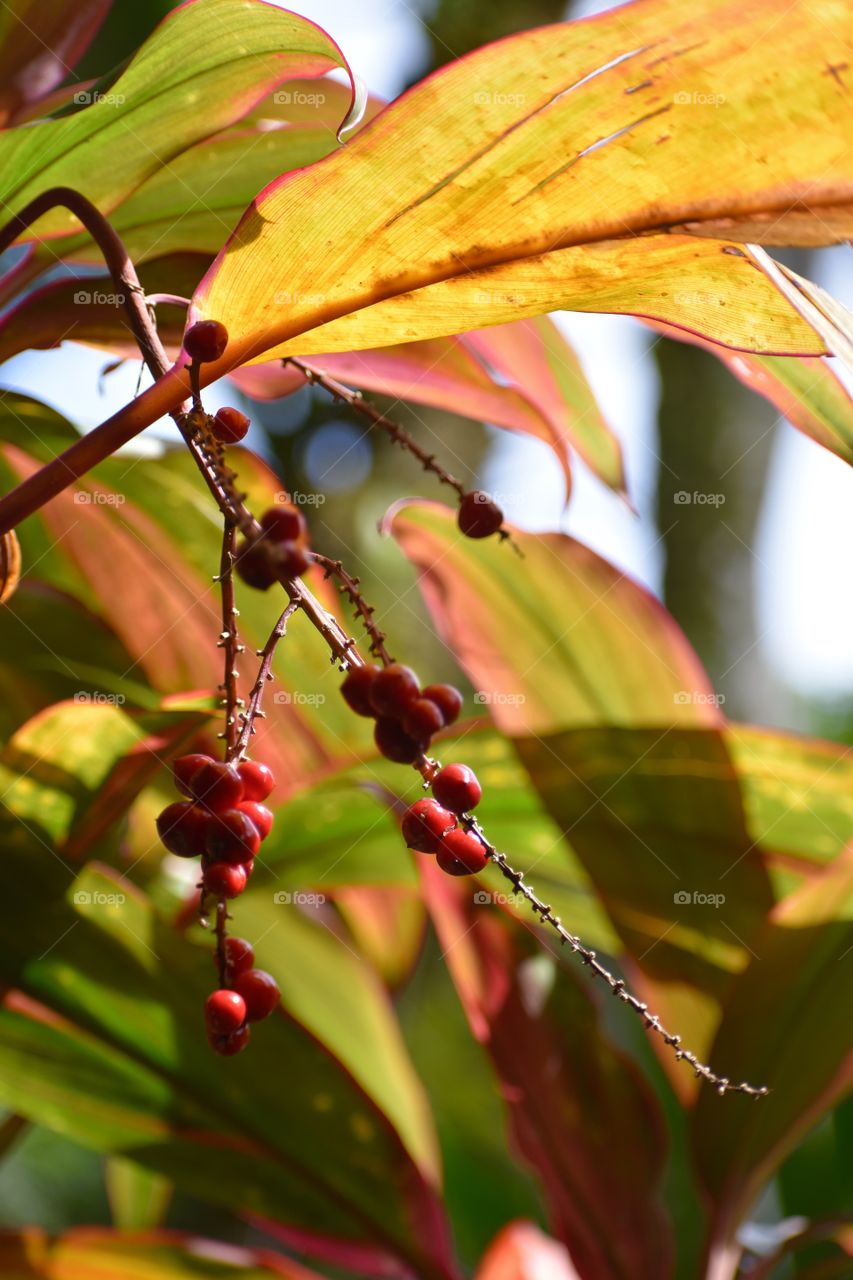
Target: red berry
{"points": [[205, 340], [259, 815], [456, 787], [224, 880], [183, 828], [423, 719], [292, 559], [217, 785], [395, 744], [224, 1012], [239, 956], [259, 991], [284, 524], [256, 563], [393, 691], [424, 825], [227, 1046], [356, 687], [461, 853], [232, 837], [258, 779], [478, 516], [229, 425], [184, 768], [446, 698]]}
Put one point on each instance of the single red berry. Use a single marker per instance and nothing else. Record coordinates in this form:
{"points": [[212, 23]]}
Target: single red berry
{"points": [[224, 880], [461, 853], [292, 559], [456, 787], [217, 785], [224, 1012], [239, 956], [256, 563], [424, 825], [227, 1046], [258, 779], [395, 744], [184, 768], [446, 698], [356, 687], [205, 340], [284, 524], [229, 425], [259, 815], [232, 837], [183, 828], [423, 719], [393, 691], [478, 516], [260, 993]]}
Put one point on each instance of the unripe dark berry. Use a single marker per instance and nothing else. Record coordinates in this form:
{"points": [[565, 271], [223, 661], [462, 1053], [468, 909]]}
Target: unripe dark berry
{"points": [[461, 853], [292, 559], [224, 880], [183, 828], [239, 956], [232, 837], [224, 1012], [284, 524], [217, 785], [446, 698], [456, 787], [229, 425], [227, 1046], [260, 993], [257, 564], [356, 687], [423, 719], [394, 690], [205, 340], [478, 516], [259, 815], [185, 767], [258, 779], [395, 744], [424, 825]]}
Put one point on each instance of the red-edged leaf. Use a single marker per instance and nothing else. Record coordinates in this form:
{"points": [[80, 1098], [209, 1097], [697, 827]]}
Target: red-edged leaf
{"points": [[522, 1252], [571, 1096], [40, 43]]}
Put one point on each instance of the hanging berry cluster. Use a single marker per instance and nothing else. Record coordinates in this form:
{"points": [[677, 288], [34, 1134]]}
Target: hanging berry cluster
{"points": [[406, 715]]}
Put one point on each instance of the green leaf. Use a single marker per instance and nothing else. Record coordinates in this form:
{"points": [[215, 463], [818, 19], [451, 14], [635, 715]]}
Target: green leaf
{"points": [[193, 77], [105, 1043], [138, 1198]]}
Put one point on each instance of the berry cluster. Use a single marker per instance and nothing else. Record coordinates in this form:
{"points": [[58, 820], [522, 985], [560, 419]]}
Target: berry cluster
{"points": [[251, 994], [223, 821], [406, 715], [282, 548], [430, 825]]}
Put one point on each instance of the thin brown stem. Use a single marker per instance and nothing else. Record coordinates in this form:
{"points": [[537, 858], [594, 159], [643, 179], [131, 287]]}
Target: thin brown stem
{"points": [[350, 588], [356, 401], [220, 930], [253, 711], [228, 638]]}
